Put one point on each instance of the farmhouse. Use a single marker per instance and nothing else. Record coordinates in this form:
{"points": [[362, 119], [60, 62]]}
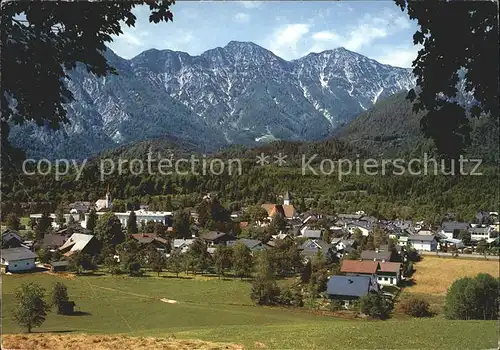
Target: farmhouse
{"points": [[376, 255], [18, 259], [11, 239], [423, 242], [87, 244], [215, 237], [253, 244], [349, 288], [389, 274], [311, 247], [452, 229]]}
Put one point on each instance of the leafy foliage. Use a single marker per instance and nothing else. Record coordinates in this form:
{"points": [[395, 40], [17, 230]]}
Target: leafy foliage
{"points": [[473, 298], [416, 307], [59, 296], [376, 305], [51, 39], [442, 61], [31, 309]]}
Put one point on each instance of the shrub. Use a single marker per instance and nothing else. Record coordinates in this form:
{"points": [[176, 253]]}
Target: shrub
{"points": [[335, 305], [473, 298], [415, 307], [291, 297], [376, 306]]}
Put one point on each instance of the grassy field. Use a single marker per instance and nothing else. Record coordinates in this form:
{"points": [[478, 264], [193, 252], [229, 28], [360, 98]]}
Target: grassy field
{"points": [[221, 311], [434, 275]]}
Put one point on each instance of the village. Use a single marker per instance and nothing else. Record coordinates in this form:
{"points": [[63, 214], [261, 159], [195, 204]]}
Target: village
{"points": [[372, 255]]}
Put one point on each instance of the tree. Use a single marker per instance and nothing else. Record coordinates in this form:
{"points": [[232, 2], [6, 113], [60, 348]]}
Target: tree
{"points": [[242, 260], [473, 298], [79, 261], [31, 309], [38, 50], [443, 61], [157, 262], [416, 307], [43, 225], [376, 305], [265, 291], [92, 220], [181, 224], [278, 223], [465, 237], [307, 272], [482, 246], [44, 255], [109, 230], [112, 265], [60, 219], [59, 297], [175, 262], [132, 223], [223, 259], [13, 222], [199, 255]]}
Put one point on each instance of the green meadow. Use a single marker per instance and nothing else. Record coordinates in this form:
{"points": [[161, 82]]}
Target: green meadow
{"points": [[221, 310]]}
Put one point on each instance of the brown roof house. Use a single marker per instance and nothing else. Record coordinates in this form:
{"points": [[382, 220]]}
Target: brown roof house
{"points": [[361, 268], [389, 274]]}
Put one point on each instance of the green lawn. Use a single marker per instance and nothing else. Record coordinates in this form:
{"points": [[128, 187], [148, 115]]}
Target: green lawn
{"points": [[221, 310]]}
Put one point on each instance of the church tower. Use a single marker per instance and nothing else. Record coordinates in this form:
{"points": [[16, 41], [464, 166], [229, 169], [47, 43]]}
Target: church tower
{"points": [[287, 198]]}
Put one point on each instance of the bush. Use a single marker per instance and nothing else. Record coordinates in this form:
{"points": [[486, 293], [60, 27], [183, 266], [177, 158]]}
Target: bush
{"points": [[376, 306], [291, 297], [335, 305], [416, 307], [473, 298]]}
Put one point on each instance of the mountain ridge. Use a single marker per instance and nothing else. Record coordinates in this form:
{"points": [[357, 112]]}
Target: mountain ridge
{"points": [[237, 94]]}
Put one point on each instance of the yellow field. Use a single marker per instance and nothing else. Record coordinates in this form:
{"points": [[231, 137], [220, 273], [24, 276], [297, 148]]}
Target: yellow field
{"points": [[102, 342], [435, 275]]}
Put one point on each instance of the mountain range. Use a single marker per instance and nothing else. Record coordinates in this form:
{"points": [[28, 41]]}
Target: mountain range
{"points": [[238, 94]]}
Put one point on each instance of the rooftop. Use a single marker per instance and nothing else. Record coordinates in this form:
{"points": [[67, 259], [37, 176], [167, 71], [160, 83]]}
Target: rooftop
{"points": [[20, 253], [356, 286], [356, 266]]}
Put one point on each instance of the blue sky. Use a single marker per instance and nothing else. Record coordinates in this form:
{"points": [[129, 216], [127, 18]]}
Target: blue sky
{"points": [[290, 29]]}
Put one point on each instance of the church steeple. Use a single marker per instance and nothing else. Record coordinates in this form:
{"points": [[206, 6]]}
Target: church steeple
{"points": [[287, 198]]}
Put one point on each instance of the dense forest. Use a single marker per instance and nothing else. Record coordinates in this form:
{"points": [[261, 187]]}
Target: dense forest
{"points": [[387, 196]]}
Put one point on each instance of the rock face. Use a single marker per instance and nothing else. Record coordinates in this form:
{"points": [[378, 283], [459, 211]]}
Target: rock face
{"points": [[239, 94]]}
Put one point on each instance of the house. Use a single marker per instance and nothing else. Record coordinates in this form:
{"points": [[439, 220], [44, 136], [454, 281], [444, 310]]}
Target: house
{"points": [[253, 244], [313, 234], [364, 227], [11, 239], [389, 274], [80, 207], [87, 244], [215, 237], [376, 255], [452, 229], [480, 232], [286, 210], [349, 288], [18, 259], [447, 242], [151, 240], [423, 242], [360, 267], [350, 216], [54, 241], [182, 244], [57, 266], [311, 247]]}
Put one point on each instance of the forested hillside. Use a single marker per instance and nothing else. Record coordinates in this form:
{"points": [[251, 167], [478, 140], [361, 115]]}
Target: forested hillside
{"points": [[391, 128]]}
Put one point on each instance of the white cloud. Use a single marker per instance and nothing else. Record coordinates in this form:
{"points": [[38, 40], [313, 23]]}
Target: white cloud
{"points": [[325, 36], [250, 4], [398, 57], [130, 39], [241, 17], [283, 42]]}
